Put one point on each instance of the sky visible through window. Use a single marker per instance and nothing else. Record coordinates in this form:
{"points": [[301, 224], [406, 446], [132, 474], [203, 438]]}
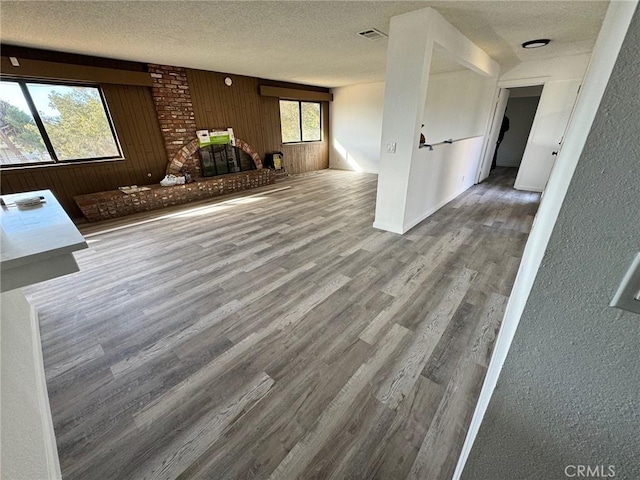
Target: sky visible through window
{"points": [[40, 97]]}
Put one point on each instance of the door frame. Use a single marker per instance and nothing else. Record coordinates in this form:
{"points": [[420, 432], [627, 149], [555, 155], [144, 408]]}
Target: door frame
{"points": [[502, 97], [503, 86]]}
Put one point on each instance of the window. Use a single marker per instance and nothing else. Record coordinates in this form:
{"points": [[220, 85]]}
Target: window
{"points": [[300, 121], [44, 123]]}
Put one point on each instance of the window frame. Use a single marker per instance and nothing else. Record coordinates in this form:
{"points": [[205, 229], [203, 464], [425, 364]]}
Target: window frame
{"points": [[22, 83], [300, 102]]}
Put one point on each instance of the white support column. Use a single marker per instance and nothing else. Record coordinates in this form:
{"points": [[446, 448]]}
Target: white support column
{"points": [[408, 63]]}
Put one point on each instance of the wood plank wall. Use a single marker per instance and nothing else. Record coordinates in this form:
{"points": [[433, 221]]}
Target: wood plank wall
{"points": [[254, 118]]}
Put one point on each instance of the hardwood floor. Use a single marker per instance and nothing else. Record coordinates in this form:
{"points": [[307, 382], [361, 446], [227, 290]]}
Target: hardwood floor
{"points": [[280, 336]]}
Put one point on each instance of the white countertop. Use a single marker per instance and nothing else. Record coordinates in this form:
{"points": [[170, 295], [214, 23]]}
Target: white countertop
{"points": [[34, 236]]}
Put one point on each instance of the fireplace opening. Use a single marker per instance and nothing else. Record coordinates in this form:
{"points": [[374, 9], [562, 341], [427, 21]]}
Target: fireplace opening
{"points": [[223, 159]]}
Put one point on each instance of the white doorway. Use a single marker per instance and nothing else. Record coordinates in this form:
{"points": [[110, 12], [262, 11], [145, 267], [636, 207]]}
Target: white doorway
{"points": [[546, 134], [520, 112]]}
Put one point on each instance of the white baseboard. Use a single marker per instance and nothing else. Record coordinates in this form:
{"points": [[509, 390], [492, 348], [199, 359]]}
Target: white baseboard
{"points": [[386, 227], [526, 188]]}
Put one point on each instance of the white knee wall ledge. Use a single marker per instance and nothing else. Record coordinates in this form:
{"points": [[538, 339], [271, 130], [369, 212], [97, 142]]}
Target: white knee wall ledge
{"points": [[37, 244], [27, 441]]}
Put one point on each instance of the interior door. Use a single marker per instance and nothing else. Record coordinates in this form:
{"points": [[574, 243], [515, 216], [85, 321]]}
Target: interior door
{"points": [[550, 123], [496, 122]]}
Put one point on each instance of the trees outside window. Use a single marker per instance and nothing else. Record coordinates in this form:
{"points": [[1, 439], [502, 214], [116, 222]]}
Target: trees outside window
{"points": [[48, 123], [300, 121]]}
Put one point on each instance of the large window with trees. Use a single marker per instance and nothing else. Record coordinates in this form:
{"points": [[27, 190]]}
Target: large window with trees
{"points": [[300, 121], [43, 122]]}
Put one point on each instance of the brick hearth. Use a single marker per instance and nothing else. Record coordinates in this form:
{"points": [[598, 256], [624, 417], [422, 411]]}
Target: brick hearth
{"points": [[114, 203]]}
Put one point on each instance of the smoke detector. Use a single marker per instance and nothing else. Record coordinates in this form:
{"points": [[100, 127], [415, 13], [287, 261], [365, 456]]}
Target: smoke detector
{"points": [[372, 34]]}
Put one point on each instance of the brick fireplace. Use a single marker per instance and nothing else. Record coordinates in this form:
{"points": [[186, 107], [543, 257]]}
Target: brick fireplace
{"points": [[186, 158], [174, 108]]}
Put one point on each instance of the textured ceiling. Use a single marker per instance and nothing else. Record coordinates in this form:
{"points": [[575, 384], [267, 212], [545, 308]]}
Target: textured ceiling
{"points": [[311, 42]]}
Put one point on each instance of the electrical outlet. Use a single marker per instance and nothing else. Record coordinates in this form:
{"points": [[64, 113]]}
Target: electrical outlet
{"points": [[391, 147]]}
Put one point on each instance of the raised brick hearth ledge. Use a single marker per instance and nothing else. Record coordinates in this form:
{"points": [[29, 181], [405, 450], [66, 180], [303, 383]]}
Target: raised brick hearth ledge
{"points": [[113, 204]]}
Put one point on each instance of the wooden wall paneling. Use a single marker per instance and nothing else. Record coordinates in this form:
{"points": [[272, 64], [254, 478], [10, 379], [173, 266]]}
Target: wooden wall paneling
{"points": [[70, 58], [33, 182], [118, 172], [254, 118], [295, 94], [140, 138], [21, 184], [77, 178], [69, 72], [18, 182], [147, 150], [63, 187]]}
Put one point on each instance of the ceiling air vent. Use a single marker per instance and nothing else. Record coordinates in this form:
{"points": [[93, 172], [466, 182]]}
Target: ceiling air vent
{"points": [[372, 34]]}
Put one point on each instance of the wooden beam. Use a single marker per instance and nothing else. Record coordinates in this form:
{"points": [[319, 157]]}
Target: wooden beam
{"points": [[68, 72], [295, 94]]}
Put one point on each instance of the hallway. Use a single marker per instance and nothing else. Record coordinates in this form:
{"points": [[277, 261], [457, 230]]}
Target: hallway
{"points": [[281, 336]]}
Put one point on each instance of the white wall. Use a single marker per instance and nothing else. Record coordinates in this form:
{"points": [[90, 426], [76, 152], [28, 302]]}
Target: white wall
{"points": [[551, 69], [604, 55], [356, 127], [456, 108], [520, 111], [457, 105]]}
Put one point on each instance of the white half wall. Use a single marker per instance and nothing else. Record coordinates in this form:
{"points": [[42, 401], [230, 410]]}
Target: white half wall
{"points": [[458, 106], [407, 189], [27, 440], [440, 175], [356, 127]]}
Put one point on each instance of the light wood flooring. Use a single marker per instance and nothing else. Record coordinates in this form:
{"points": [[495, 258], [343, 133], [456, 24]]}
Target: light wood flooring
{"points": [[281, 336]]}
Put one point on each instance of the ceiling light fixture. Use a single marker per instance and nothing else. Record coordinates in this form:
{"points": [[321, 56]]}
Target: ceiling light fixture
{"points": [[541, 42]]}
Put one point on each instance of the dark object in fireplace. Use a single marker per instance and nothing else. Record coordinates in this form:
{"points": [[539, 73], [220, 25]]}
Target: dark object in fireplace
{"points": [[223, 159], [273, 161]]}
